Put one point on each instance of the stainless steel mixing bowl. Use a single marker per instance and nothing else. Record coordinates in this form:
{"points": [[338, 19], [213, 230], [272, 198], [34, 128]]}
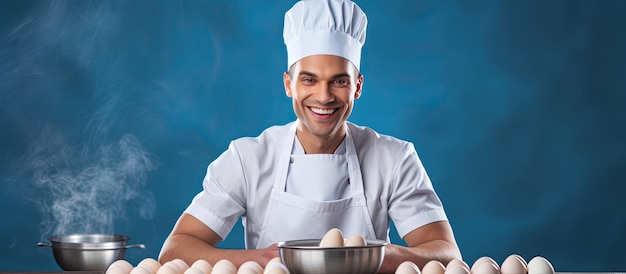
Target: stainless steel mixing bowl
{"points": [[88, 252], [305, 256]]}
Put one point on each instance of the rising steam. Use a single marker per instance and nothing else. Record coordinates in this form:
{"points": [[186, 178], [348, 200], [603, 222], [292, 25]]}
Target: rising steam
{"points": [[84, 189]]}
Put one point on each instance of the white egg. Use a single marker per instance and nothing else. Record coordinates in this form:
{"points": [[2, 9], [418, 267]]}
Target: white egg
{"points": [[332, 238], [250, 267], [483, 260], [224, 267], [540, 265], [434, 267], [150, 263], [117, 269], [485, 268], [407, 267], [356, 240], [513, 264], [123, 264], [182, 265], [169, 268], [457, 268], [141, 270], [203, 265], [458, 262], [276, 268]]}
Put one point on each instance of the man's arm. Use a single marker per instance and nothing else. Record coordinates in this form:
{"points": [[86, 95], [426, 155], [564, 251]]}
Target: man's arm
{"points": [[434, 241], [192, 240]]}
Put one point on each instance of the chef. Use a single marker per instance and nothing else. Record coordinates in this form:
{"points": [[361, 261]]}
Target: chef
{"points": [[299, 180]]}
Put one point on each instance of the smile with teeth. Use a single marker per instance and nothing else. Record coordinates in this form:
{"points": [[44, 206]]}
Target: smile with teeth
{"points": [[323, 111]]}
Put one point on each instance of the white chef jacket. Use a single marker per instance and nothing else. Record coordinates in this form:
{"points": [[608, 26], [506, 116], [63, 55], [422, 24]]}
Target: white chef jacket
{"points": [[239, 182]]}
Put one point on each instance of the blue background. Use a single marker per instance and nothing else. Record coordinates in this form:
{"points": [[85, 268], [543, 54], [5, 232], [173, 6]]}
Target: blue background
{"points": [[110, 112]]}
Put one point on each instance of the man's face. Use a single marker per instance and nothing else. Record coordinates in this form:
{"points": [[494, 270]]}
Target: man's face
{"points": [[323, 89]]}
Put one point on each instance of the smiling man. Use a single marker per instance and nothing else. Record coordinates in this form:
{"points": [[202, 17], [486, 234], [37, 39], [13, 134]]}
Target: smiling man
{"points": [[298, 181]]}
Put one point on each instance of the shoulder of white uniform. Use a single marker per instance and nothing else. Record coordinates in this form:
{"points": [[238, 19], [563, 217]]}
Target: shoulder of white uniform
{"points": [[363, 135]]}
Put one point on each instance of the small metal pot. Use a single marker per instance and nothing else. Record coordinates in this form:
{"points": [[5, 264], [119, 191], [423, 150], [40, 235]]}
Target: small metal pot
{"points": [[88, 252]]}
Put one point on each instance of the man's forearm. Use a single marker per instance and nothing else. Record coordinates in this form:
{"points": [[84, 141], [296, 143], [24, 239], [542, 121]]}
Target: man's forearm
{"points": [[191, 249]]}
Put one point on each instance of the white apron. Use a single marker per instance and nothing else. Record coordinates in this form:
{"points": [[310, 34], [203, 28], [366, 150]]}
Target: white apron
{"points": [[330, 172], [291, 217]]}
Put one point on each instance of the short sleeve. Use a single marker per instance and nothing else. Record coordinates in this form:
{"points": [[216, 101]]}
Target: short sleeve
{"points": [[222, 200], [413, 202]]}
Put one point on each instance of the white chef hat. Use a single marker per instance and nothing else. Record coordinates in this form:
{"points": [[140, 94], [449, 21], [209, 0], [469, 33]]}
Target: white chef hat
{"points": [[334, 27]]}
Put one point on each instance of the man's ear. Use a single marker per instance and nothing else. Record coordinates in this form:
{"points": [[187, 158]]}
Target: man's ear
{"points": [[287, 84], [359, 87]]}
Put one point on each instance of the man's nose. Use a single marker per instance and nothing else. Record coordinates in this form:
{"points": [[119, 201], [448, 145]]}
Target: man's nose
{"points": [[324, 94]]}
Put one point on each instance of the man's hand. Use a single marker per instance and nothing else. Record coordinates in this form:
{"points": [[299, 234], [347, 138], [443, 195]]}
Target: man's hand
{"points": [[266, 254]]}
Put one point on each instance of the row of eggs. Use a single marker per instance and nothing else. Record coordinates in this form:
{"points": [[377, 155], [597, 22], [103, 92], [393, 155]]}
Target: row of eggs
{"points": [[513, 264], [178, 266]]}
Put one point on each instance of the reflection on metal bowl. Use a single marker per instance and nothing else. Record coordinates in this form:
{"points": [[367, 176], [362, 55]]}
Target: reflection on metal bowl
{"points": [[88, 252], [305, 256]]}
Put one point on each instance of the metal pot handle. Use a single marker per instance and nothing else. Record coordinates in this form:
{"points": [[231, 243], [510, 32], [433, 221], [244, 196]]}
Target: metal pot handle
{"points": [[44, 244], [142, 246]]}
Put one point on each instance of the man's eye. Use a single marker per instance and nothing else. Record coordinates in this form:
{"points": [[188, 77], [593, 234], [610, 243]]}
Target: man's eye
{"points": [[308, 80], [341, 82]]}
